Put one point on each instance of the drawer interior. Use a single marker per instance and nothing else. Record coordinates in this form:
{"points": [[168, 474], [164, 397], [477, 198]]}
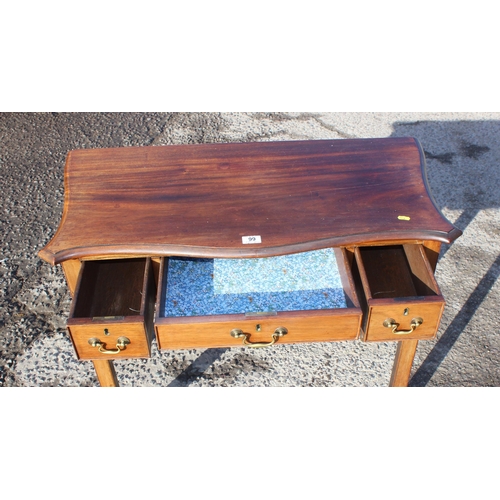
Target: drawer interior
{"points": [[296, 282], [389, 272], [109, 288]]}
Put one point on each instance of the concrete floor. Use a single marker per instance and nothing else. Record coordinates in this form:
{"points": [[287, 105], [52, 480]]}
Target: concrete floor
{"points": [[463, 154]]}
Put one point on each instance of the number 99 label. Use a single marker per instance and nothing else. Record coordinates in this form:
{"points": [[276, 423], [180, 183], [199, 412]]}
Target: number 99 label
{"points": [[249, 240]]}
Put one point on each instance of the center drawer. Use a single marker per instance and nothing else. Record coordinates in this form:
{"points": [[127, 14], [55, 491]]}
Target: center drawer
{"points": [[256, 302]]}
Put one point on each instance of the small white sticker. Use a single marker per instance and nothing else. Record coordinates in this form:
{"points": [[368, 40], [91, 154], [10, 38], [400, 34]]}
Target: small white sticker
{"points": [[249, 240]]}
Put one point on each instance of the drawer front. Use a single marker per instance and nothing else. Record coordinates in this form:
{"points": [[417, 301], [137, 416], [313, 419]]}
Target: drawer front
{"points": [[314, 326], [403, 313], [108, 334]]}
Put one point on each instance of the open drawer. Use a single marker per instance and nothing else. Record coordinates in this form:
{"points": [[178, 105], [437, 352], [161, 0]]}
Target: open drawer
{"points": [[401, 297], [307, 297], [112, 311]]}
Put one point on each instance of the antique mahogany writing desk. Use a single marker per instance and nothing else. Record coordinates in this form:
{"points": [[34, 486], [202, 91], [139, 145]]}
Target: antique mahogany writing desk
{"points": [[225, 228]]}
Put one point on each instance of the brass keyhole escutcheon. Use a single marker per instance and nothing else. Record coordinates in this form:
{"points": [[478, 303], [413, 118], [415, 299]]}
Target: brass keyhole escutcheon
{"points": [[106, 332], [258, 328], [406, 311]]}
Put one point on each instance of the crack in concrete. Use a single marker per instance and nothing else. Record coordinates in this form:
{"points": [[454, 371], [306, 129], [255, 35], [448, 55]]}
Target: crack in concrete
{"points": [[331, 128]]}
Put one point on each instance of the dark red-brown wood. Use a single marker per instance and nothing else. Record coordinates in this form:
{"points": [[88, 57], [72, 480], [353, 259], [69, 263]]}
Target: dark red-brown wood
{"points": [[200, 200]]}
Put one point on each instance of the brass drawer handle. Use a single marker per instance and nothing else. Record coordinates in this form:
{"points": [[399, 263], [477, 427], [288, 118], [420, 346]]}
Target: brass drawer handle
{"points": [[279, 332], [391, 323], [121, 343]]}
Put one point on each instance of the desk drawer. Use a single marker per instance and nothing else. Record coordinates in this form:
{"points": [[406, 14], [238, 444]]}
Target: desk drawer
{"points": [[401, 297], [202, 322], [112, 312]]}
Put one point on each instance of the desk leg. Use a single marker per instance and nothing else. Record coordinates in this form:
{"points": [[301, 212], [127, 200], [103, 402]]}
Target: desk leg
{"points": [[105, 373], [402, 363]]}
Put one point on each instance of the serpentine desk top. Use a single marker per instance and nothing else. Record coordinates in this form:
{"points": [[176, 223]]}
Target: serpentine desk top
{"points": [[244, 199]]}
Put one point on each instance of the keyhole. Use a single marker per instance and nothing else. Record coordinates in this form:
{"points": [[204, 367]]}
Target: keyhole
{"points": [[258, 328], [106, 331], [406, 312]]}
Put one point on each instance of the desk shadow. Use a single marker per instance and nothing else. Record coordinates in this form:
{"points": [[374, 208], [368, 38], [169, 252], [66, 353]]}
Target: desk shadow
{"points": [[241, 361], [431, 363], [463, 174], [197, 368]]}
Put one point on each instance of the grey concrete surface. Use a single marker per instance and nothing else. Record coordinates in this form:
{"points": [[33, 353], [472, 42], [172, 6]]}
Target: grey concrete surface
{"points": [[463, 156]]}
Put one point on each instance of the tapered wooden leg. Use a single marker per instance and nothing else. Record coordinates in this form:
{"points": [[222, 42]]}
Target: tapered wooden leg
{"points": [[105, 373], [402, 363]]}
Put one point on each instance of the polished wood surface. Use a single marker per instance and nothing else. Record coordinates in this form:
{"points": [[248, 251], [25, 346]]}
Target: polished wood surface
{"points": [[385, 272], [132, 328], [344, 265], [403, 361], [106, 374], [432, 249], [315, 326], [429, 310], [200, 200], [113, 299], [398, 283], [324, 325], [367, 198], [110, 288], [71, 270]]}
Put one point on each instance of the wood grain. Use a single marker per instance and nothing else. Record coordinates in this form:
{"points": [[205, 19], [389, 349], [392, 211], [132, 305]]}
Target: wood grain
{"points": [[105, 372], [123, 289], [403, 361], [430, 310], [421, 270], [71, 270], [307, 326], [132, 328], [200, 200], [385, 272], [397, 283], [344, 264], [432, 249], [323, 325]]}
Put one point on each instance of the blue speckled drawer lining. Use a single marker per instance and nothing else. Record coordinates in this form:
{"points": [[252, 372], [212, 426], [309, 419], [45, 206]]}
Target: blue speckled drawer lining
{"points": [[203, 287]]}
